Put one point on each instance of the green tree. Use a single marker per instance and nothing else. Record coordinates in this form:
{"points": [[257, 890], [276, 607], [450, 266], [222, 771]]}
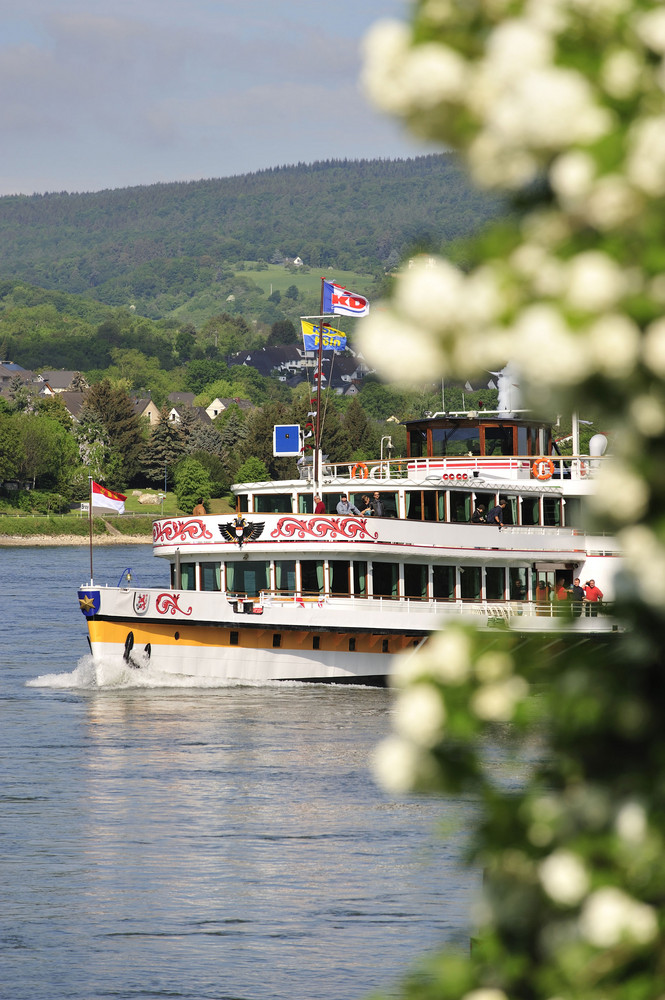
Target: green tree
{"points": [[253, 470], [164, 450], [192, 482], [111, 404], [48, 450], [11, 448]]}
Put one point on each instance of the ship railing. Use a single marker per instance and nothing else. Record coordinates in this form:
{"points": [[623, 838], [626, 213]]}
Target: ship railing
{"points": [[404, 605], [449, 470]]}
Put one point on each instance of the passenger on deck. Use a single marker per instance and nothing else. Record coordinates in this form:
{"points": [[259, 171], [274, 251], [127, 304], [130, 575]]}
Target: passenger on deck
{"points": [[319, 506], [378, 507], [199, 509], [366, 506], [479, 516], [542, 598], [594, 596], [345, 508], [578, 597], [495, 514]]}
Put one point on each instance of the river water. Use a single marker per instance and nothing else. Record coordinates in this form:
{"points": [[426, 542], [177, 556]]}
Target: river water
{"points": [[212, 842]]}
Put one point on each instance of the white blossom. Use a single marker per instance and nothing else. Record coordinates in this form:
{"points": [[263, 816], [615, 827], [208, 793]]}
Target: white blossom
{"points": [[433, 74], [485, 994], [494, 666], [420, 714], [645, 165], [402, 351], [595, 281], [385, 49], [610, 916], [614, 343], [447, 656], [631, 822], [399, 765], [546, 350], [653, 347], [564, 878], [431, 294], [496, 701], [650, 28], [611, 202], [617, 480], [620, 73], [645, 555], [495, 165], [647, 412], [547, 109], [572, 175]]}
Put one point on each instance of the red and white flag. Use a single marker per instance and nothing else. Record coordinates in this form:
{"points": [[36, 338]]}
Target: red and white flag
{"points": [[101, 497]]}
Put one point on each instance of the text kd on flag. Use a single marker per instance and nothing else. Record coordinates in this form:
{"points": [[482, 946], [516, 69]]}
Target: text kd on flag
{"points": [[340, 301]]}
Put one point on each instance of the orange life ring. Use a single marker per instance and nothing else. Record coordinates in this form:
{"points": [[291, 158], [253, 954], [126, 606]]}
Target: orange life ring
{"points": [[359, 468], [543, 468]]}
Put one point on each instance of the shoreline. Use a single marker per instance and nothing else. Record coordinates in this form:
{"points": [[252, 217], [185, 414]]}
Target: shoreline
{"points": [[11, 541]]}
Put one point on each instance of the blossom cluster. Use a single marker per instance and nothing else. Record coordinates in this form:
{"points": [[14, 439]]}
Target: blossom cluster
{"points": [[567, 96]]}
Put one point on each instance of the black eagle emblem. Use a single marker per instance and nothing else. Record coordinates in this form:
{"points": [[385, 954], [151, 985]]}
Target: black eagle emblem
{"points": [[238, 530]]}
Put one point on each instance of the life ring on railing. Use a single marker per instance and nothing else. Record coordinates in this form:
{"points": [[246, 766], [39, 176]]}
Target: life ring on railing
{"points": [[543, 468], [359, 469]]}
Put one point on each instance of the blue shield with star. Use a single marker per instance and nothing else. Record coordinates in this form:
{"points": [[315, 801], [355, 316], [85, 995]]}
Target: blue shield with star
{"points": [[89, 602]]}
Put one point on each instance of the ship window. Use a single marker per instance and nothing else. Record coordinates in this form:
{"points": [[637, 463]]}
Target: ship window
{"points": [[360, 578], [384, 646], [443, 583], [487, 500], [417, 443], [499, 441], [495, 583], [530, 510], [352, 645], [470, 583], [518, 577], [247, 577], [414, 504], [386, 579], [210, 576], [441, 505], [272, 503], [572, 512], [316, 642], [276, 640], [429, 505], [460, 506], [522, 441], [339, 576], [305, 503], [415, 581], [285, 575], [552, 511], [455, 441], [187, 576], [311, 576], [233, 638], [243, 503]]}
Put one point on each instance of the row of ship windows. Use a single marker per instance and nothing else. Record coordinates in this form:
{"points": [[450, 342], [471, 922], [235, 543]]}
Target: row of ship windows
{"points": [[431, 505], [358, 578]]}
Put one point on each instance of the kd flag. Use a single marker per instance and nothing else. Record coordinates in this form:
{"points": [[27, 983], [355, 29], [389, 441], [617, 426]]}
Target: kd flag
{"points": [[342, 302], [333, 340], [101, 497]]}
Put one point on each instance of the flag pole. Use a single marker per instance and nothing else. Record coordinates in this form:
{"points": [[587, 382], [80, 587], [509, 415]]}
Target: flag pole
{"points": [[90, 524], [319, 366]]}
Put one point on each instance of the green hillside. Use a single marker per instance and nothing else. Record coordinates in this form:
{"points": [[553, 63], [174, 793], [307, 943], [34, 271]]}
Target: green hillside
{"points": [[180, 249]]}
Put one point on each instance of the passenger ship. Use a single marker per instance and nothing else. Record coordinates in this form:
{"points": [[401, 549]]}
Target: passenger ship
{"points": [[278, 592]]}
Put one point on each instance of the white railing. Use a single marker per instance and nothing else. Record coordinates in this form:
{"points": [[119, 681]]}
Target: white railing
{"points": [[447, 470]]}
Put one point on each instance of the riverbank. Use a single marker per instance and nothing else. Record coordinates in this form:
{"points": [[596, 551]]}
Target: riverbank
{"points": [[7, 541]]}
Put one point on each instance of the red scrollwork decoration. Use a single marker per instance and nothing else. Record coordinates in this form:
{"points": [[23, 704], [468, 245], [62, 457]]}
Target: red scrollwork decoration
{"points": [[168, 604], [192, 529], [323, 527]]}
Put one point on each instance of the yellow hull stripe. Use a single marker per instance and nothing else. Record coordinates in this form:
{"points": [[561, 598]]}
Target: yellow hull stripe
{"points": [[247, 638]]}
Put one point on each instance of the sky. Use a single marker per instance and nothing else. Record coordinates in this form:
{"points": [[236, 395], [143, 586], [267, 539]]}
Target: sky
{"points": [[112, 94]]}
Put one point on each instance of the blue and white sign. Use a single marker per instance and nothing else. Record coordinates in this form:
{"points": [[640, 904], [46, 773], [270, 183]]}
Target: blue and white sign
{"points": [[286, 440]]}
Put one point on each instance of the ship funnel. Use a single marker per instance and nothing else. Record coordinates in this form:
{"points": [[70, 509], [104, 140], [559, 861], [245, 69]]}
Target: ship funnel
{"points": [[597, 445]]}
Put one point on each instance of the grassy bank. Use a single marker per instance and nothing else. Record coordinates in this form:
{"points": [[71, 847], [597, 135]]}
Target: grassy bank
{"points": [[55, 526]]}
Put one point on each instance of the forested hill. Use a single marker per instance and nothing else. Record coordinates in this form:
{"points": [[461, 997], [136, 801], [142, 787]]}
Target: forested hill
{"points": [[353, 215]]}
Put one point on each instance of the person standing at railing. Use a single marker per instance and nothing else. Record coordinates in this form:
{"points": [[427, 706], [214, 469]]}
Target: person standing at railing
{"points": [[319, 506], [594, 596], [345, 508], [577, 594], [378, 508]]}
